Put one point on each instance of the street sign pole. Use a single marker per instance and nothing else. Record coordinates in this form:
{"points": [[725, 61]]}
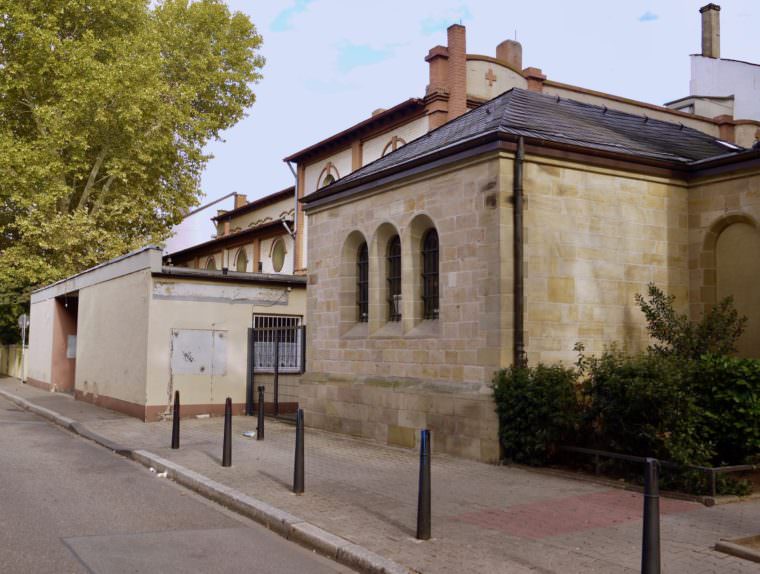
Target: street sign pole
{"points": [[23, 323]]}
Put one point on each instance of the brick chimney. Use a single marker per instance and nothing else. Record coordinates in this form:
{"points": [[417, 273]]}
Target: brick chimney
{"points": [[710, 30], [240, 200], [510, 51], [457, 72]]}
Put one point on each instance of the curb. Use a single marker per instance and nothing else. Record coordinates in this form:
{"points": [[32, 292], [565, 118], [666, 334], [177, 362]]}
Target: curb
{"points": [[286, 525], [735, 548]]}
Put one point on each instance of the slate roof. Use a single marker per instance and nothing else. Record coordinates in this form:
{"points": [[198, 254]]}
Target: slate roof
{"points": [[552, 119]]}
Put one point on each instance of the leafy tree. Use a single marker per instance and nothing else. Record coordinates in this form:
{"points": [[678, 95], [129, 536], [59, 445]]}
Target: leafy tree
{"points": [[105, 108], [716, 333]]}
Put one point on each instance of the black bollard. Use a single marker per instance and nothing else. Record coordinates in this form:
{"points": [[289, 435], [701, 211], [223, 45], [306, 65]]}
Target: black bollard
{"points": [[175, 422], [423, 500], [227, 446], [260, 421], [298, 469], [650, 547]]}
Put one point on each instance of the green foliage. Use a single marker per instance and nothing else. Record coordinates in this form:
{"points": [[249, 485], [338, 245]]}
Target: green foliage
{"points": [[538, 410], [716, 333], [643, 405], [728, 391], [105, 108]]}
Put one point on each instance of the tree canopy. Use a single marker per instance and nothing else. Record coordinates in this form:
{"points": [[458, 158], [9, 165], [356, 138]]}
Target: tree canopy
{"points": [[105, 109]]}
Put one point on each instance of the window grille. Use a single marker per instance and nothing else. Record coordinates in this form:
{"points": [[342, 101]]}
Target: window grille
{"points": [[394, 279], [430, 275], [362, 283], [281, 336]]}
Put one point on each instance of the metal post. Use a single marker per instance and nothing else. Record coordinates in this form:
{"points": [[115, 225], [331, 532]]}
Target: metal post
{"points": [[276, 372], [298, 468], [175, 421], [423, 500], [650, 549], [227, 446], [249, 376], [260, 422]]}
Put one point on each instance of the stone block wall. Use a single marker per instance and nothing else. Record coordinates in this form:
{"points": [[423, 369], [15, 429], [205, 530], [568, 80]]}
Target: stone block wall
{"points": [[375, 379], [594, 238]]}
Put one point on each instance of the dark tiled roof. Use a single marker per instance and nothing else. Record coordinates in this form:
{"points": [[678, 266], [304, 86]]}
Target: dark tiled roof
{"points": [[551, 119]]}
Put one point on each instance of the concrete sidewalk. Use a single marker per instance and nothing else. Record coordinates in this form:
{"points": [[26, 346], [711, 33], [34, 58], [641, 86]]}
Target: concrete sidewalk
{"points": [[485, 518]]}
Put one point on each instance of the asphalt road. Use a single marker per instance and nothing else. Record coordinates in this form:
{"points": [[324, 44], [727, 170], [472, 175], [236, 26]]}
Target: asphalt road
{"points": [[68, 506]]}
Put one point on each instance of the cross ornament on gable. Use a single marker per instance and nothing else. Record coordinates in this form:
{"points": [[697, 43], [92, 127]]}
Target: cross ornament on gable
{"points": [[491, 77]]}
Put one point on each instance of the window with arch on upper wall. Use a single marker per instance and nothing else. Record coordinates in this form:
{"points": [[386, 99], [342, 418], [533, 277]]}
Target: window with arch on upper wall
{"points": [[278, 255], [241, 262], [393, 278], [429, 254], [362, 283], [394, 143], [328, 175], [211, 264]]}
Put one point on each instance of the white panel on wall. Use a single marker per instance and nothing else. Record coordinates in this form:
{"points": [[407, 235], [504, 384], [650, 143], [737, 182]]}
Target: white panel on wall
{"points": [[198, 352]]}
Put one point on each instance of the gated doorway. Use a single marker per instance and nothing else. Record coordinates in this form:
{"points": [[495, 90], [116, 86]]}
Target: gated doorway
{"points": [[276, 358]]}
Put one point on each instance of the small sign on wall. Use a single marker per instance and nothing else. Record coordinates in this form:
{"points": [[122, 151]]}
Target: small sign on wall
{"points": [[71, 347], [198, 352]]}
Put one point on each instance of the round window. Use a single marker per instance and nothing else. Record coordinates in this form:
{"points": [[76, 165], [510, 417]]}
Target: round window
{"points": [[278, 255]]}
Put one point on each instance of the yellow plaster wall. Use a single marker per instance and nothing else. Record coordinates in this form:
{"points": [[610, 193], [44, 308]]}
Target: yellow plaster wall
{"points": [[372, 149], [112, 330], [233, 319], [41, 340], [282, 209], [479, 87]]}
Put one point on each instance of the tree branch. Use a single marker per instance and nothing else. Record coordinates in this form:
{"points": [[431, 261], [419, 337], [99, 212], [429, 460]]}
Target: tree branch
{"points": [[91, 180]]}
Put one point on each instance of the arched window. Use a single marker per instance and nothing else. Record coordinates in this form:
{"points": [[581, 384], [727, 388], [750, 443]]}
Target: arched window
{"points": [[430, 275], [241, 263], [329, 178], [362, 283], [328, 175], [393, 277], [394, 143], [211, 264], [278, 255]]}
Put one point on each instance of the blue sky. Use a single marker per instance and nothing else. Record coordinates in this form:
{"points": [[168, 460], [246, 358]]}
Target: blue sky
{"points": [[331, 62]]}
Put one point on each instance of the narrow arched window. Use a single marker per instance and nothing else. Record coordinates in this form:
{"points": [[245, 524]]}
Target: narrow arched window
{"points": [[430, 274], [211, 263], [362, 283], [393, 277]]}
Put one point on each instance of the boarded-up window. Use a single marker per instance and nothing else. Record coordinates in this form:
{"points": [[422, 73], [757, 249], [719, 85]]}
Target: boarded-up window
{"points": [[198, 352]]}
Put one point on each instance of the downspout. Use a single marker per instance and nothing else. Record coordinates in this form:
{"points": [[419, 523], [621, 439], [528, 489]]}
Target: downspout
{"points": [[519, 334], [295, 214]]}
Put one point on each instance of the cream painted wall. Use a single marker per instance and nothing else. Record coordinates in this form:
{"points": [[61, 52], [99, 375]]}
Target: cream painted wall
{"points": [[479, 87], [41, 340], [280, 210], [341, 161], [112, 331], [266, 254], [631, 108], [221, 314], [372, 149]]}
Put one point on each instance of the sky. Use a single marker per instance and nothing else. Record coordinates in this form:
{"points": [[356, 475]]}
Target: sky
{"points": [[329, 63]]}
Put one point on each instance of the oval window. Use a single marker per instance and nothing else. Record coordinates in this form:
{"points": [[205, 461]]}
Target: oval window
{"points": [[278, 255]]}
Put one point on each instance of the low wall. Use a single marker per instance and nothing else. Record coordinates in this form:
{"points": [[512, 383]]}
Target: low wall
{"points": [[10, 360], [462, 423]]}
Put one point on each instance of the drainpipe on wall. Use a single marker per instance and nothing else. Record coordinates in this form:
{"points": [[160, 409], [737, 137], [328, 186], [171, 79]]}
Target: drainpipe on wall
{"points": [[295, 213], [519, 334]]}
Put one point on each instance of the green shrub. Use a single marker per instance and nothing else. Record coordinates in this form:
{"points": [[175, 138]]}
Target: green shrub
{"points": [[716, 333], [643, 405], [728, 391], [538, 410]]}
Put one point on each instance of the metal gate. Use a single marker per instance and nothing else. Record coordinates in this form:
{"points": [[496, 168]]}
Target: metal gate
{"points": [[276, 344]]}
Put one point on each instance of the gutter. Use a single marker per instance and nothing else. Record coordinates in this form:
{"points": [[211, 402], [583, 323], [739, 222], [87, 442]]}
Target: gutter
{"points": [[517, 210]]}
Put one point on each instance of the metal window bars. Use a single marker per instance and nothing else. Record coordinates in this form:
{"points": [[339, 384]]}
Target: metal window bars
{"points": [[362, 283], [394, 278], [430, 275], [278, 340]]}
